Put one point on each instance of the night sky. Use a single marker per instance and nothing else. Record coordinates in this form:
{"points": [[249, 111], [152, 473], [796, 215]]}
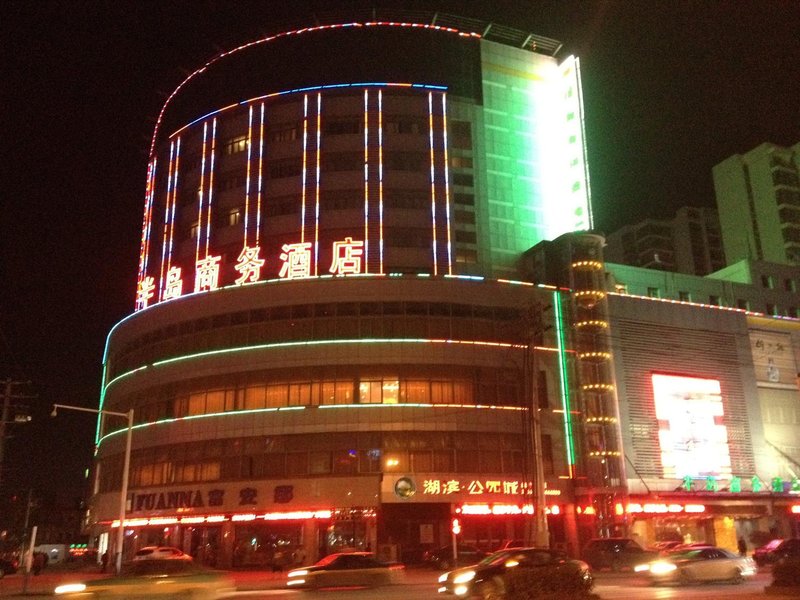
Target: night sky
{"points": [[670, 89]]}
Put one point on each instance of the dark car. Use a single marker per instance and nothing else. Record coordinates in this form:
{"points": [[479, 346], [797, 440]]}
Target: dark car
{"points": [[775, 550], [346, 569], [487, 579], [442, 558], [8, 566], [616, 554]]}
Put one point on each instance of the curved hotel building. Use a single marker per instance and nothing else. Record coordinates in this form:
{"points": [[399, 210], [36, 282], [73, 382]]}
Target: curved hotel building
{"points": [[341, 336]]}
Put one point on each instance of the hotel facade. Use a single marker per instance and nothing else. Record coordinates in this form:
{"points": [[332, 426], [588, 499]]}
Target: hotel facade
{"points": [[369, 302]]}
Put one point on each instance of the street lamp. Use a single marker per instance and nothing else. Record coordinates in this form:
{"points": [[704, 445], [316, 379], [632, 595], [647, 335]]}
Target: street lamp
{"points": [[125, 468]]}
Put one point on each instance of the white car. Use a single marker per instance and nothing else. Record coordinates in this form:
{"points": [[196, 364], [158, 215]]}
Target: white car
{"points": [[699, 565], [161, 553]]}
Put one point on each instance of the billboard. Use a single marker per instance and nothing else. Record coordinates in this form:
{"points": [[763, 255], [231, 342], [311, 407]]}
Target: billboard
{"points": [[691, 429]]}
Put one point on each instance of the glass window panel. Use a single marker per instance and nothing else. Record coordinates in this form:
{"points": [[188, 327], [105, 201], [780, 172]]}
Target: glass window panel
{"points": [[300, 394], [275, 465], [296, 463], [467, 461], [491, 462], [254, 397], [391, 389], [277, 395], [421, 461], [209, 471], [344, 392], [442, 460], [215, 401], [345, 462], [462, 392], [417, 391], [370, 460], [328, 392], [365, 392], [319, 463]]}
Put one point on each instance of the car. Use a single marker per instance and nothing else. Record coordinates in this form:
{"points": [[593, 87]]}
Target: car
{"points": [[346, 569], [508, 544], [487, 579], [616, 553], [162, 578], [8, 566], [699, 565], [775, 550], [160, 553], [442, 558]]}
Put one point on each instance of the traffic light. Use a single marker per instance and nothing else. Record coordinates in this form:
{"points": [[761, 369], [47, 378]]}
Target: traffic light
{"points": [[456, 527]]}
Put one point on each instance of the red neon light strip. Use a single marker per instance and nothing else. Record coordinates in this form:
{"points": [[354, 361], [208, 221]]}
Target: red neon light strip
{"points": [[380, 177], [150, 213], [174, 203], [433, 183], [211, 180], [145, 220], [201, 192], [166, 219], [260, 175], [447, 185], [366, 181], [247, 181], [316, 212], [305, 162]]}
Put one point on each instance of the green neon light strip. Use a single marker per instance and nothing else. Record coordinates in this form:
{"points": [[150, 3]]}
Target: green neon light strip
{"points": [[562, 369], [296, 408]]}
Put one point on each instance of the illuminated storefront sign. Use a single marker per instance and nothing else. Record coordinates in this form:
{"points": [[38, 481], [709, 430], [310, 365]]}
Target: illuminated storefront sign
{"points": [[692, 434], [474, 487], [297, 515], [649, 508], [504, 509]]}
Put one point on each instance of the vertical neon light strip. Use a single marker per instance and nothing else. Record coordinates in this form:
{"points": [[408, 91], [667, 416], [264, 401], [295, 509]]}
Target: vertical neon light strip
{"points": [[260, 175], [447, 185], [147, 198], [366, 181], [166, 218], [380, 176], [201, 192], [433, 183], [247, 181], [150, 214], [583, 143], [211, 180], [305, 158], [562, 371], [316, 212], [174, 202]]}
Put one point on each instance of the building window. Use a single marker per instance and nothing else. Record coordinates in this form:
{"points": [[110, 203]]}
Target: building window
{"points": [[713, 299], [767, 281], [235, 145], [684, 296], [461, 134], [463, 179], [194, 230], [653, 292], [465, 199], [541, 390], [793, 311], [621, 288], [234, 217], [790, 285], [772, 309], [743, 304], [461, 162]]}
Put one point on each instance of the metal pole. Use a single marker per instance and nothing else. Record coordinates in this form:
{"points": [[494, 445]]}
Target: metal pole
{"points": [[4, 417], [123, 501]]}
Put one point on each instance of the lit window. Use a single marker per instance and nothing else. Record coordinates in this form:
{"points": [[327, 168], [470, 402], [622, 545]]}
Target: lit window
{"points": [[194, 230], [621, 288], [234, 217], [235, 145]]}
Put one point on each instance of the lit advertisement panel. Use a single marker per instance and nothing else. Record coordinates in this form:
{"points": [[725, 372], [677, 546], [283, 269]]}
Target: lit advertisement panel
{"points": [[691, 430]]}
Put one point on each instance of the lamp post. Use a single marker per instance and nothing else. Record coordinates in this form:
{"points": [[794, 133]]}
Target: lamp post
{"points": [[125, 469]]}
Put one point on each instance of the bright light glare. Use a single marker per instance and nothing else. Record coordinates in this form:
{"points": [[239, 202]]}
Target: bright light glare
{"points": [[464, 577], [661, 568], [298, 573], [296, 582], [641, 568], [69, 588], [511, 563], [443, 577], [460, 590]]}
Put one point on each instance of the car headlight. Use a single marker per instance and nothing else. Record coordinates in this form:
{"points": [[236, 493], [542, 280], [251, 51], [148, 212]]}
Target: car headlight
{"points": [[70, 588], [443, 577], [464, 577], [298, 573], [641, 568], [662, 567]]}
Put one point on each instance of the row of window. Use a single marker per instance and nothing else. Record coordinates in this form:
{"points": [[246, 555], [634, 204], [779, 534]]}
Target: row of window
{"points": [[344, 320], [715, 300], [344, 391], [308, 455]]}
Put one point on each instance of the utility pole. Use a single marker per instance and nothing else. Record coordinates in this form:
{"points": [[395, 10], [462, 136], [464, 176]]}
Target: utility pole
{"points": [[6, 414]]}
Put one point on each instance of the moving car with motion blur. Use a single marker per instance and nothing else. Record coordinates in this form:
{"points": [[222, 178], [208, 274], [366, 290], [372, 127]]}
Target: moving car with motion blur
{"points": [[698, 565], [616, 553], [442, 558], [488, 579], [346, 569], [160, 553], [156, 578]]}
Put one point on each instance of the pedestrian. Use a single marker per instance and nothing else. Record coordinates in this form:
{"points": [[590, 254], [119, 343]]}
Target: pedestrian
{"points": [[38, 562], [104, 561], [742, 547]]}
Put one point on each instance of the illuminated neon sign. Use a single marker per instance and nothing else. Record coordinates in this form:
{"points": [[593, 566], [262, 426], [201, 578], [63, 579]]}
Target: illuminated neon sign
{"points": [[692, 433], [474, 487]]}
